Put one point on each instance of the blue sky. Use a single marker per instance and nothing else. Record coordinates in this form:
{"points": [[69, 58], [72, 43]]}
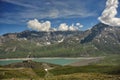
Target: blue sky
{"points": [[14, 14]]}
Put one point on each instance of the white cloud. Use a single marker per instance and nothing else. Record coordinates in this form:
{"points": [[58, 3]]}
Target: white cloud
{"points": [[38, 26], [108, 15], [72, 28], [65, 27], [79, 25], [46, 26]]}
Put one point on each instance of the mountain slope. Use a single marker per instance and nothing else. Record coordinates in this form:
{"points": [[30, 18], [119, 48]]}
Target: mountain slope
{"points": [[101, 31], [105, 38], [101, 39]]}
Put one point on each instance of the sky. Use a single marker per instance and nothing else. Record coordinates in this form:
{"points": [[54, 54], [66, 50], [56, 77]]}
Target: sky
{"points": [[20, 15]]}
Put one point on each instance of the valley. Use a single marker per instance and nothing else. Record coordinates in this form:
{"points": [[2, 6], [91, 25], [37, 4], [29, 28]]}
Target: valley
{"points": [[59, 40], [67, 55]]}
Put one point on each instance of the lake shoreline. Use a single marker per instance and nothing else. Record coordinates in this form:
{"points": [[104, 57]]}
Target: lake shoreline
{"points": [[52, 58]]}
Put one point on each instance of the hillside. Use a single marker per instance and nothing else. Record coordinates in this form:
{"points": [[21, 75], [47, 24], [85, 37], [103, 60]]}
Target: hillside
{"points": [[27, 69], [62, 73], [100, 40]]}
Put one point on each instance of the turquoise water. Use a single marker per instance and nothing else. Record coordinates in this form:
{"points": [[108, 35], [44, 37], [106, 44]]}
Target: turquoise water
{"points": [[57, 61], [60, 61]]}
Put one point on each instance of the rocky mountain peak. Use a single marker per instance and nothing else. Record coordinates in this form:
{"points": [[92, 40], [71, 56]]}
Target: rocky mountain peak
{"points": [[100, 31]]}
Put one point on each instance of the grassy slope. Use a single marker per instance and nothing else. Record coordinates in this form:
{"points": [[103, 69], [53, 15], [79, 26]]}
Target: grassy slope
{"points": [[113, 59], [65, 73], [23, 48], [87, 69], [17, 73], [86, 76]]}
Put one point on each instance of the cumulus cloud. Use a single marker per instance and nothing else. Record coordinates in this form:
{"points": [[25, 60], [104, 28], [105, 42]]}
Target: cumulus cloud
{"points": [[73, 28], [79, 25], [109, 13], [46, 26], [65, 27], [39, 26]]}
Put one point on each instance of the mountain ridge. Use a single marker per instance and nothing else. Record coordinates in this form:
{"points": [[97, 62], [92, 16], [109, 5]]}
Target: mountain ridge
{"points": [[101, 39]]}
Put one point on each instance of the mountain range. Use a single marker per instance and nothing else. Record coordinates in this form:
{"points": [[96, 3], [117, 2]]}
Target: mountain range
{"points": [[101, 39]]}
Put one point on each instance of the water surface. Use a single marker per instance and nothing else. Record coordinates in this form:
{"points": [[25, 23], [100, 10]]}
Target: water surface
{"points": [[59, 61]]}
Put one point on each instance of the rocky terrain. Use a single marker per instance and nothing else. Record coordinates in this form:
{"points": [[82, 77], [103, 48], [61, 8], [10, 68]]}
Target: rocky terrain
{"points": [[104, 37], [100, 39]]}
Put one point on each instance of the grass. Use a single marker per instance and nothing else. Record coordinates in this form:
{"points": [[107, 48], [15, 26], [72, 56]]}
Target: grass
{"points": [[55, 50], [74, 76], [110, 60], [7, 73], [86, 69], [87, 76], [90, 72]]}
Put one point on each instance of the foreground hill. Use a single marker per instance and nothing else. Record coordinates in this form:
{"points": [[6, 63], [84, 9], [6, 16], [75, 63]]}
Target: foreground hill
{"points": [[27, 69], [90, 72], [100, 40]]}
